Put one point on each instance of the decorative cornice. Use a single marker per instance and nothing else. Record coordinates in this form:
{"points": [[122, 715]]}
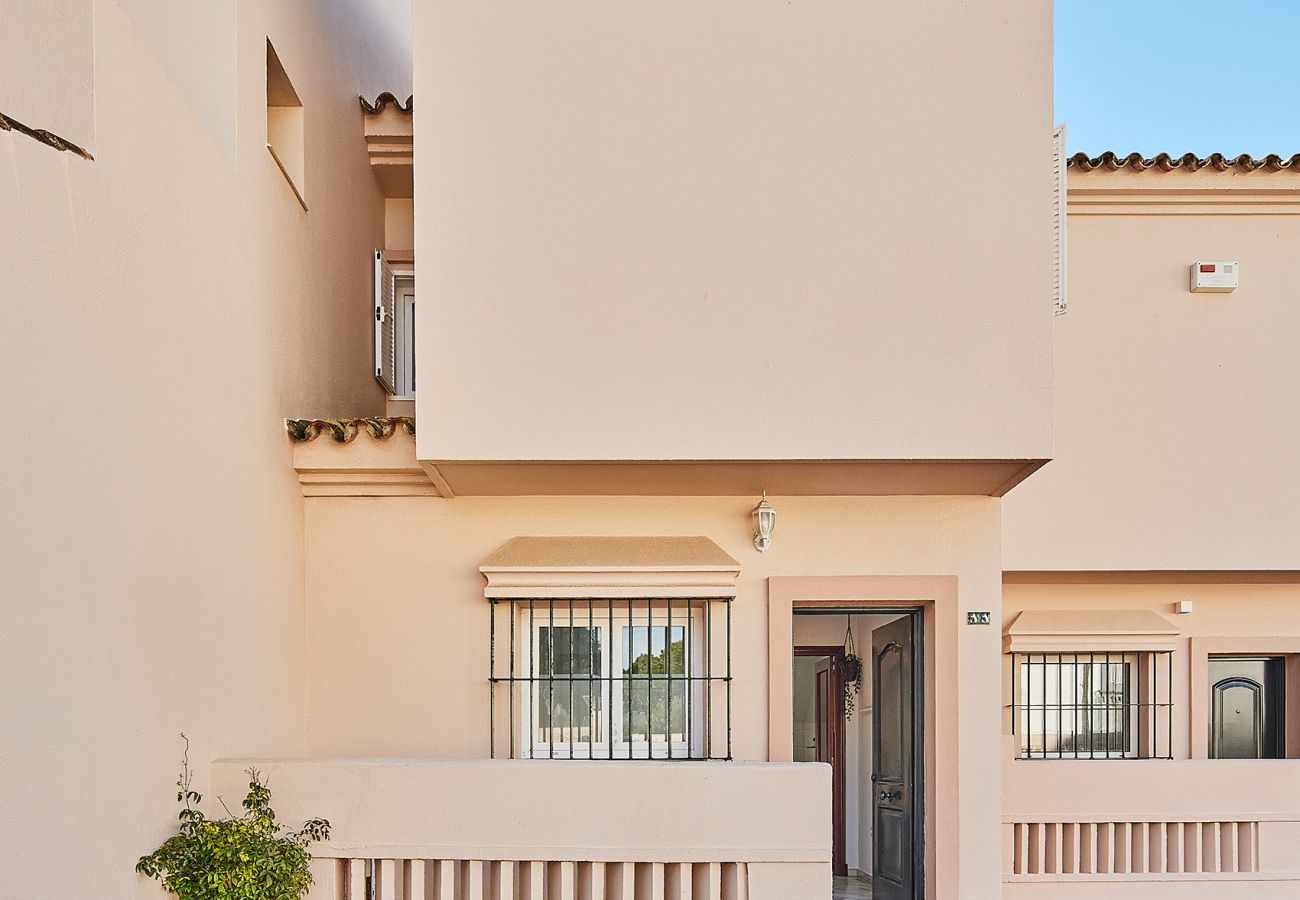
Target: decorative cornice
{"points": [[661, 567], [1164, 185], [390, 142], [382, 466], [1074, 631], [1190, 162], [385, 100], [367, 483], [1122, 200], [48, 138], [346, 430]]}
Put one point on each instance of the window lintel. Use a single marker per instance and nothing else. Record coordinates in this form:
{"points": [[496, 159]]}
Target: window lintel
{"points": [[610, 567], [1102, 630]]}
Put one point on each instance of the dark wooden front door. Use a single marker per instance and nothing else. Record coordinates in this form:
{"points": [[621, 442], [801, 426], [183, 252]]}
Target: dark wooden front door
{"points": [[830, 747], [893, 799]]}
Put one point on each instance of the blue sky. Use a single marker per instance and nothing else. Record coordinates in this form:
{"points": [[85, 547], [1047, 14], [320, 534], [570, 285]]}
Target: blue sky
{"points": [[1182, 76]]}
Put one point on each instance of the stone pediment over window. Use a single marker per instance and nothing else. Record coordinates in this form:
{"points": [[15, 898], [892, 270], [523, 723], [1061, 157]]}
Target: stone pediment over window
{"points": [[1101, 630], [599, 567]]}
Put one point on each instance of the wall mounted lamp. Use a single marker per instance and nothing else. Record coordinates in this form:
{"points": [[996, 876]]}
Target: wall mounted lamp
{"points": [[764, 522]]}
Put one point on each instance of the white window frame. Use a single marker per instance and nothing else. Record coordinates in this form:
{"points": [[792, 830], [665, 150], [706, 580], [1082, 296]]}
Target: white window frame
{"points": [[394, 326], [610, 685], [1025, 687], [404, 309]]}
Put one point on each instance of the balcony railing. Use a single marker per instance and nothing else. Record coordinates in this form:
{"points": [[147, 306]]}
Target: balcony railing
{"points": [[415, 829]]}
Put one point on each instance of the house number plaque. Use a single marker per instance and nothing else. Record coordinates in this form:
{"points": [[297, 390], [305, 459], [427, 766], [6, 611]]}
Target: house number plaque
{"points": [[979, 618]]}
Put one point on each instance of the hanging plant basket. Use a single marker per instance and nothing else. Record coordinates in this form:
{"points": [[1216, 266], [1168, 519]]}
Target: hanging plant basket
{"points": [[850, 672]]}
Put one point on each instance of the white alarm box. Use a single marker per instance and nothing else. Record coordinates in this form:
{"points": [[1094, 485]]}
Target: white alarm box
{"points": [[1214, 277]]}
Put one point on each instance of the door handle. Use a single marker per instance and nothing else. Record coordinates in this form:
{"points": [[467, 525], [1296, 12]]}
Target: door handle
{"points": [[887, 796]]}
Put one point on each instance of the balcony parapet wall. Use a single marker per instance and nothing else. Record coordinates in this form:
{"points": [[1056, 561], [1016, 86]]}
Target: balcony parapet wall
{"points": [[1233, 823], [758, 831]]}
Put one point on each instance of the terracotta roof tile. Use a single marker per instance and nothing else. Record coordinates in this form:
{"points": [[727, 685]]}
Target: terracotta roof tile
{"points": [[1190, 162], [346, 430], [385, 100]]}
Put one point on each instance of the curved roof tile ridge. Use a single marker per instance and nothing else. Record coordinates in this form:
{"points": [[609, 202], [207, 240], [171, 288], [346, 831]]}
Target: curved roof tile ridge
{"points": [[385, 100], [344, 431], [1165, 162]]}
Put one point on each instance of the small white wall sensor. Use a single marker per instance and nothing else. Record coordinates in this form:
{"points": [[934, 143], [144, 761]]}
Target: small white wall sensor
{"points": [[1183, 606], [1214, 277]]}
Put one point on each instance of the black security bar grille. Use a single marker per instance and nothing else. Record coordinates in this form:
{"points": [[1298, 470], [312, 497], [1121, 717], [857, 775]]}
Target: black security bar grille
{"points": [[607, 679], [1086, 705]]}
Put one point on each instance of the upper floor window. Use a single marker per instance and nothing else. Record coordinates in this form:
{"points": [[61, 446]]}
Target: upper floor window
{"points": [[395, 327], [285, 125]]}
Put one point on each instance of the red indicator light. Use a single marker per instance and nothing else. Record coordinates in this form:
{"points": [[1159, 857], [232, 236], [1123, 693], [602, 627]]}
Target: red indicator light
{"points": [[1207, 267]]}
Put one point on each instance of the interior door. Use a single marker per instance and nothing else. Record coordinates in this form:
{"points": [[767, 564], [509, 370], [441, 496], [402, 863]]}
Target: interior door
{"points": [[893, 799], [830, 748]]}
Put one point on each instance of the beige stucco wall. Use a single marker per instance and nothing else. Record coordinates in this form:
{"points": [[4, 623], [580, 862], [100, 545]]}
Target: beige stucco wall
{"points": [[57, 97], [1176, 432], [398, 627], [1220, 610], [686, 231], [480, 809], [477, 819], [163, 307], [1226, 618]]}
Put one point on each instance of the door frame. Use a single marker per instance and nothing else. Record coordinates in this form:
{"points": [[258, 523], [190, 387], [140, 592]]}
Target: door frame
{"points": [[916, 624], [933, 601], [1200, 649], [839, 860]]}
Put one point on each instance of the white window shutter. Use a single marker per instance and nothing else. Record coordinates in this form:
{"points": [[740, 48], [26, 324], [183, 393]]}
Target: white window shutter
{"points": [[1060, 162], [385, 322]]}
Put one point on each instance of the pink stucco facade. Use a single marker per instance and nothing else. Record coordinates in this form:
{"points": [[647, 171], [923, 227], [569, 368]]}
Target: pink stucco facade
{"points": [[668, 260]]}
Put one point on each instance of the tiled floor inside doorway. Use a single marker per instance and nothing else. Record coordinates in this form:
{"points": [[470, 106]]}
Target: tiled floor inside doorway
{"points": [[851, 889]]}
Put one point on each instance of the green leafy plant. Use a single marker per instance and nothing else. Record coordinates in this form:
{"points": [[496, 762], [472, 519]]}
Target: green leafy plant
{"points": [[246, 857], [850, 672]]}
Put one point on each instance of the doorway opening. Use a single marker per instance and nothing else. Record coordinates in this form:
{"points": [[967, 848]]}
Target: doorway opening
{"points": [[1247, 699], [858, 706]]}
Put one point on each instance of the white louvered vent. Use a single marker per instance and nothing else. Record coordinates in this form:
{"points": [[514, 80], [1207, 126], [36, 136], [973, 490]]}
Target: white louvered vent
{"points": [[385, 325], [1059, 165]]}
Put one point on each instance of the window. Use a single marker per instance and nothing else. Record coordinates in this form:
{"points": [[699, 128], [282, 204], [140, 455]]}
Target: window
{"points": [[1092, 705], [1091, 683], [1246, 707], [285, 125], [404, 335], [609, 647], [394, 327], [648, 692], [612, 679]]}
